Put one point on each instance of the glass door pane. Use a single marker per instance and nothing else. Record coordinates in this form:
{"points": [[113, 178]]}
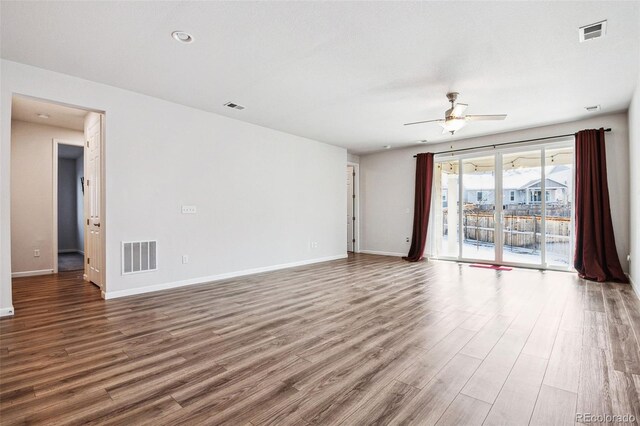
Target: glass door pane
{"points": [[446, 208], [559, 197], [522, 207], [478, 207]]}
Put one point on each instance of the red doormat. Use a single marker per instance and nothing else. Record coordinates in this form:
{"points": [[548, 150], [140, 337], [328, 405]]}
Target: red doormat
{"points": [[496, 267]]}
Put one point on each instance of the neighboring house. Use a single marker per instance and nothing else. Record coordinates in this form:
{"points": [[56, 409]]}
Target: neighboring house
{"points": [[515, 191]]}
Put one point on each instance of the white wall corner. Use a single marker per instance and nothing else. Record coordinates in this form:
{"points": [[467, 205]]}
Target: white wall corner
{"points": [[6, 312], [210, 279]]}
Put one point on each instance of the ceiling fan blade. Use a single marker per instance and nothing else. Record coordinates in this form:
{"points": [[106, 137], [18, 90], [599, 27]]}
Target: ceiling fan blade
{"points": [[486, 117], [420, 122], [458, 110]]}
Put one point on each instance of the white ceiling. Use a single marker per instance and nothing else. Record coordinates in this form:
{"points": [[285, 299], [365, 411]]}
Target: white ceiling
{"points": [[346, 73], [26, 109]]}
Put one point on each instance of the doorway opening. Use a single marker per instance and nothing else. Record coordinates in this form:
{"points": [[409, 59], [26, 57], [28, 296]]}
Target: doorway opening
{"points": [[68, 206], [512, 206], [56, 191]]}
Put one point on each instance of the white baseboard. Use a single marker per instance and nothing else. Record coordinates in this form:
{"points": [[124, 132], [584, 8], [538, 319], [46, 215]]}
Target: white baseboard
{"points": [[634, 286], [202, 280], [31, 273], [383, 253], [6, 312]]}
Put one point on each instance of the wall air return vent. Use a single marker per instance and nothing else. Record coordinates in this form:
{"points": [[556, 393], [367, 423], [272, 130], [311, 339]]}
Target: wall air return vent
{"points": [[593, 31], [234, 106], [139, 256]]}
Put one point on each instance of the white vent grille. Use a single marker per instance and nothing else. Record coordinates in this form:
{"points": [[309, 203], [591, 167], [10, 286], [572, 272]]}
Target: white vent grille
{"points": [[139, 256], [234, 106], [593, 31]]}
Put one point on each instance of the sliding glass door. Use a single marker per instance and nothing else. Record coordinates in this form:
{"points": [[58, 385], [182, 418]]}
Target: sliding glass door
{"points": [[521, 216], [512, 206], [478, 208]]}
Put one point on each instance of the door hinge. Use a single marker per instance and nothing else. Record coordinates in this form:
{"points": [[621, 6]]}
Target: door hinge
{"points": [[353, 241], [87, 221], [87, 182], [87, 144], [353, 218], [88, 260], [353, 196]]}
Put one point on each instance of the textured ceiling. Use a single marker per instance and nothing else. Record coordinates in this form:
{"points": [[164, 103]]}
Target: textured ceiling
{"points": [[345, 73]]}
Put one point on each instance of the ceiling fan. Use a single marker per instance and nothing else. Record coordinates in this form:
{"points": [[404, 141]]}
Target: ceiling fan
{"points": [[455, 119]]}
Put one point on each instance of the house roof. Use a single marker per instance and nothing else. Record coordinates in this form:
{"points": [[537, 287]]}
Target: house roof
{"points": [[549, 183]]}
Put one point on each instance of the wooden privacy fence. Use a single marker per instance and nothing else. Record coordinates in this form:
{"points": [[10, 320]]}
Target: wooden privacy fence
{"points": [[519, 230]]}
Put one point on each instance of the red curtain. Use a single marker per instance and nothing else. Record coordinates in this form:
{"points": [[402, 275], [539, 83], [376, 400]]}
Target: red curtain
{"points": [[596, 257], [422, 208]]}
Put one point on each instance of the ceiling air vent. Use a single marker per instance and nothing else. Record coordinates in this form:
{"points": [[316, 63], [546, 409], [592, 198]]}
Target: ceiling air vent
{"points": [[234, 106], [593, 31], [593, 108]]}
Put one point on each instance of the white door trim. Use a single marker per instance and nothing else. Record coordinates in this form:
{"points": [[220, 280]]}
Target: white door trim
{"points": [[55, 144], [356, 207]]}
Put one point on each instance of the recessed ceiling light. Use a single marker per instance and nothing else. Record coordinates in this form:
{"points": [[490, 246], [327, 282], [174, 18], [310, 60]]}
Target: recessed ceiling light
{"points": [[182, 37], [41, 115], [593, 108]]}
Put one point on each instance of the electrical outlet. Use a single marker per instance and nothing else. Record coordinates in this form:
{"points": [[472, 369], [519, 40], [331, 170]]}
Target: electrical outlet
{"points": [[185, 259], [189, 210], [313, 244], [408, 240], [36, 253]]}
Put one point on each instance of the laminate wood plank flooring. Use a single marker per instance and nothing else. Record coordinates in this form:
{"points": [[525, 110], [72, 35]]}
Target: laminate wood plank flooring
{"points": [[364, 340]]}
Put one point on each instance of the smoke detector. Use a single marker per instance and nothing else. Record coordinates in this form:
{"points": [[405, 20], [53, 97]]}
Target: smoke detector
{"points": [[593, 31]]}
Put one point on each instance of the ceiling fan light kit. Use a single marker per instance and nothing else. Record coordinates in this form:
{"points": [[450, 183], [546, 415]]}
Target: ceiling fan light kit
{"points": [[455, 118]]}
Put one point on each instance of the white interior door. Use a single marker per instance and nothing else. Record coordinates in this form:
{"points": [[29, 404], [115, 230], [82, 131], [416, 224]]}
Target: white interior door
{"points": [[93, 232], [350, 210]]}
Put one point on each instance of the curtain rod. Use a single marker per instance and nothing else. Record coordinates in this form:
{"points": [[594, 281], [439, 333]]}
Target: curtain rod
{"points": [[507, 143]]}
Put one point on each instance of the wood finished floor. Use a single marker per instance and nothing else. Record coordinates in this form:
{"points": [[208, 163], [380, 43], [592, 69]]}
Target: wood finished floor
{"points": [[366, 340]]}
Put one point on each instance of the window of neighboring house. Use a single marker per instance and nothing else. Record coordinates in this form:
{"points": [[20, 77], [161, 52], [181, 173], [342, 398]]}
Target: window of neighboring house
{"points": [[512, 195], [479, 196], [536, 196]]}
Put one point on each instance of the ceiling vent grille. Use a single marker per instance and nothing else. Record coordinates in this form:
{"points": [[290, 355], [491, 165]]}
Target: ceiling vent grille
{"points": [[234, 106], [139, 256], [593, 108], [593, 31]]}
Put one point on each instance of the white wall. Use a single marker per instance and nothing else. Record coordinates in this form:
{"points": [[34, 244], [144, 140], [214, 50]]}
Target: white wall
{"points": [[262, 195], [67, 205], [31, 192], [634, 162], [387, 183]]}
